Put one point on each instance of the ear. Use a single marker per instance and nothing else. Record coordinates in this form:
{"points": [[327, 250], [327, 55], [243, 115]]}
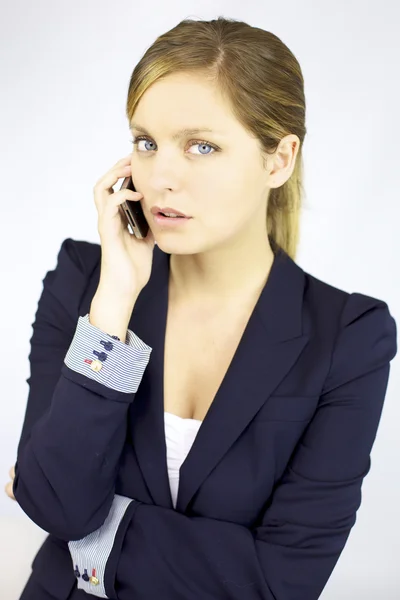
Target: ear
{"points": [[283, 160]]}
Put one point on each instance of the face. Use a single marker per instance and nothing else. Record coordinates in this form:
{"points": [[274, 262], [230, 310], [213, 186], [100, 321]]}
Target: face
{"points": [[216, 177]]}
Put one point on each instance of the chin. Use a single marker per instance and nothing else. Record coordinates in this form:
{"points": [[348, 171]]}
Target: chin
{"points": [[174, 247], [176, 244]]}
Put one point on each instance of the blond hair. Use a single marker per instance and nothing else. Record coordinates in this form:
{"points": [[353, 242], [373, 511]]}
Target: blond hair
{"points": [[263, 82]]}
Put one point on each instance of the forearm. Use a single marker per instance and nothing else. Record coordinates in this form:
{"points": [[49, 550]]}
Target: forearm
{"points": [[159, 552], [66, 471], [66, 468]]}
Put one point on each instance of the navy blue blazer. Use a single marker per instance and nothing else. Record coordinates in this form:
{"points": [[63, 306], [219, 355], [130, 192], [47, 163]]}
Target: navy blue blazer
{"points": [[269, 491]]}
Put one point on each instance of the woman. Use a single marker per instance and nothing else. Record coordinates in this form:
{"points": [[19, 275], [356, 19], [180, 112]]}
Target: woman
{"points": [[202, 355]]}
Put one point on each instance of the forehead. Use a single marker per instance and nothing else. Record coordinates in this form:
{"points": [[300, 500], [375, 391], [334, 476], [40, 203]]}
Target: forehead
{"points": [[182, 105], [179, 133]]}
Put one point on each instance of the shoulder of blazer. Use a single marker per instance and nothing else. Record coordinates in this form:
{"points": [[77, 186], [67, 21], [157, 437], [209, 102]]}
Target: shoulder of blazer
{"points": [[348, 303], [84, 255], [334, 310], [65, 284]]}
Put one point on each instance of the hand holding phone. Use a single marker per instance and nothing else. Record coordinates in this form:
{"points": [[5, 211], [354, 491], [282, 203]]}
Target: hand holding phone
{"points": [[126, 259]]}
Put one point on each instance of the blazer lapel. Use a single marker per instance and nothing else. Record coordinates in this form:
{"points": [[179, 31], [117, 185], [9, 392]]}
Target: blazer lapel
{"points": [[148, 321], [270, 345]]}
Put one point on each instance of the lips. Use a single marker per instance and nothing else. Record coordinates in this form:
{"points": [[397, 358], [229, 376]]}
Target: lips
{"points": [[167, 210]]}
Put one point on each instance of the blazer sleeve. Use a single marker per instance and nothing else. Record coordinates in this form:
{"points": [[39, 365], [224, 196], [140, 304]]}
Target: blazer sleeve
{"points": [[290, 555], [75, 424]]}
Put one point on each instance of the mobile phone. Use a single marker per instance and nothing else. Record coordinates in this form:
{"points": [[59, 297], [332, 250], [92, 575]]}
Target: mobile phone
{"points": [[132, 212]]}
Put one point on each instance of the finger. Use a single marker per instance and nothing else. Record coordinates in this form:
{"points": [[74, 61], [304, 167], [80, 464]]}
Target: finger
{"points": [[9, 490], [11, 472], [103, 188], [112, 209], [122, 161], [117, 198], [121, 164]]}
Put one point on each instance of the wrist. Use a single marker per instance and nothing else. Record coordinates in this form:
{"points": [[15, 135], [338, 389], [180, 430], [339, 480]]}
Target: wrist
{"points": [[111, 314]]}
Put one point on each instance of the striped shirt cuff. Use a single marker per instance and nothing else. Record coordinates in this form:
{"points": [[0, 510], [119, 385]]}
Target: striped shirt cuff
{"points": [[100, 357], [90, 554]]}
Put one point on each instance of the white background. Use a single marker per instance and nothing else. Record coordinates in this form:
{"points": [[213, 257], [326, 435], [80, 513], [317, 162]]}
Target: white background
{"points": [[64, 73]]}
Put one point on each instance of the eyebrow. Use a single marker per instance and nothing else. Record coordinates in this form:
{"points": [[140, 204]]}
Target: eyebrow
{"points": [[178, 134]]}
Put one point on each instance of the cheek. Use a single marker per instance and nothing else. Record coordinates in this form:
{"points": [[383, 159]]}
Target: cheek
{"points": [[226, 218], [223, 193], [228, 205]]}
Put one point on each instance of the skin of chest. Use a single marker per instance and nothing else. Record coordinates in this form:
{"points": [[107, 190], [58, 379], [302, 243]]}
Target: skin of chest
{"points": [[199, 347]]}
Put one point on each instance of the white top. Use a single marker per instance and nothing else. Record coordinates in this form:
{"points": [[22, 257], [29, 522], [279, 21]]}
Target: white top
{"points": [[179, 436]]}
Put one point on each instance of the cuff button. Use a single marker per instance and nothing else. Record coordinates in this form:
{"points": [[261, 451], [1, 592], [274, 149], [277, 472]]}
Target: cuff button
{"points": [[96, 365], [93, 578], [107, 345], [85, 576]]}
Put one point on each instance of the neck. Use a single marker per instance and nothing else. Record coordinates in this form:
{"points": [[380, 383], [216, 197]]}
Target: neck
{"points": [[222, 276]]}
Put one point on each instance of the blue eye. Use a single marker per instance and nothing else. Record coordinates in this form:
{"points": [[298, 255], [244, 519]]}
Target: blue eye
{"points": [[214, 148]]}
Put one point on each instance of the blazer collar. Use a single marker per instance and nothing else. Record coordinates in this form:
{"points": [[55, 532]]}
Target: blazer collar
{"points": [[270, 345]]}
